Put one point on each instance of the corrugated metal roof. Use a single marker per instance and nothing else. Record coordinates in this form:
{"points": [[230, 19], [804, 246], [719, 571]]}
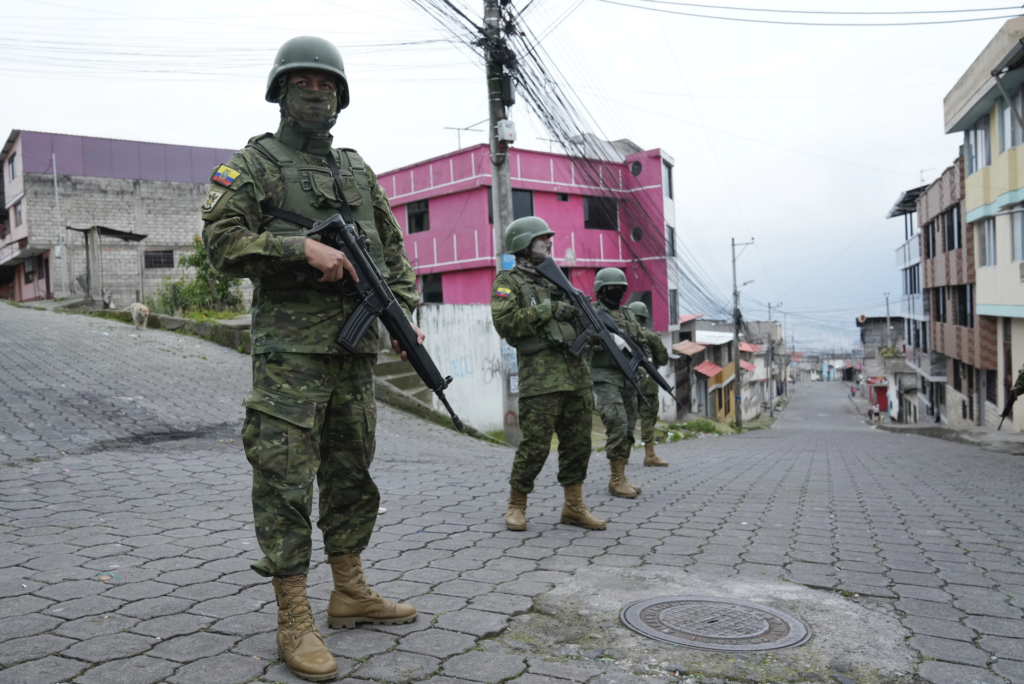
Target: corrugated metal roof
{"points": [[747, 366], [706, 337], [687, 347], [750, 347], [686, 318], [707, 368]]}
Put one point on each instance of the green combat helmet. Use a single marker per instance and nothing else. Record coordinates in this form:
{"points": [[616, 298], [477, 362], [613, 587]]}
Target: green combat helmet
{"points": [[307, 52], [640, 309], [609, 276], [521, 232]]}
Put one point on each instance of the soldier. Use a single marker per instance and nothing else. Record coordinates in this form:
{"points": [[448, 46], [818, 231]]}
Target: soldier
{"points": [[615, 398], [536, 318], [649, 411], [311, 412]]}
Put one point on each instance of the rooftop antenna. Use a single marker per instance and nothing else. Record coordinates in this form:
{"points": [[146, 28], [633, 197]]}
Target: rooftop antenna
{"points": [[467, 128], [922, 174]]}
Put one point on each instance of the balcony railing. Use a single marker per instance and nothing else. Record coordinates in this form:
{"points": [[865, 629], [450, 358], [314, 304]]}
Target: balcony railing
{"points": [[909, 253]]}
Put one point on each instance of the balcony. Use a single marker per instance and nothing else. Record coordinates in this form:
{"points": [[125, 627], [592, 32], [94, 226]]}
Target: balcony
{"points": [[930, 364], [909, 253]]}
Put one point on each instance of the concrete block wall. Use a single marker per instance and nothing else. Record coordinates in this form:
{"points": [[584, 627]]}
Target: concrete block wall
{"points": [[954, 409], [166, 212]]}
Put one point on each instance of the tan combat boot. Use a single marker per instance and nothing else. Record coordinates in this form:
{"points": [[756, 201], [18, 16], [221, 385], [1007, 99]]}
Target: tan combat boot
{"points": [[515, 516], [618, 485], [651, 458], [299, 643], [353, 601], [575, 512]]}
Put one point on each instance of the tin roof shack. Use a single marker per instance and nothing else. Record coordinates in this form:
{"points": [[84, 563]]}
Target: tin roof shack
{"points": [[127, 187]]}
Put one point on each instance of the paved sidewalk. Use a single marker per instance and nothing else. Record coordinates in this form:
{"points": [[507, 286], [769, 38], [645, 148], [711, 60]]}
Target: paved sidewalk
{"points": [[130, 563]]}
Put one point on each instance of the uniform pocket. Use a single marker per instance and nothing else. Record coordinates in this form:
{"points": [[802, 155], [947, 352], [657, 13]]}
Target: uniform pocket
{"points": [[282, 449], [323, 192]]}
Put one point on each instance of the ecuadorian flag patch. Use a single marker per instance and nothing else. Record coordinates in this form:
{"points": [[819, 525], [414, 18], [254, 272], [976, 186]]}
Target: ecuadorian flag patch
{"points": [[225, 176], [503, 292]]}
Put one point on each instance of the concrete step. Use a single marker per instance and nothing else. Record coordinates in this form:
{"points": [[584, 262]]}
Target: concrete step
{"points": [[389, 365]]}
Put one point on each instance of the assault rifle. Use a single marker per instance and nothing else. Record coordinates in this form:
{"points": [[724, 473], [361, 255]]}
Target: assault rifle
{"points": [[637, 354], [591, 324], [1007, 408], [377, 301]]}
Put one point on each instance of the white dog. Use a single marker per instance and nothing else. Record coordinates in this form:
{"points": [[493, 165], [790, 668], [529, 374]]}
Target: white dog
{"points": [[140, 315]]}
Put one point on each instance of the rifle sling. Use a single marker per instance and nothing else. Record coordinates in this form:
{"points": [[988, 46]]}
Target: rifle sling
{"points": [[308, 223]]}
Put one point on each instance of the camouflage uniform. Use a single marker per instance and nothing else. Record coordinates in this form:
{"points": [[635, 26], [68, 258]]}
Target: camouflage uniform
{"points": [[615, 398], [311, 411], [554, 386], [648, 387], [1019, 384]]}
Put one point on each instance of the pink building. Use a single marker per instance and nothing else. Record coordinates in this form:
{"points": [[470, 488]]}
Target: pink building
{"points": [[617, 211]]}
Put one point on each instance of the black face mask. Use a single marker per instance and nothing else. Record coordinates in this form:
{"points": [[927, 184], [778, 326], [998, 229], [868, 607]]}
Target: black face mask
{"points": [[611, 296]]}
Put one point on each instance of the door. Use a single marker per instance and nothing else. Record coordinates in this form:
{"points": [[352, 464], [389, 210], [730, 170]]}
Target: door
{"points": [[883, 399], [46, 274]]}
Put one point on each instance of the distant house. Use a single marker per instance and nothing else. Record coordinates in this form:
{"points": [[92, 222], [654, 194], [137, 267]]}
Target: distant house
{"points": [[138, 201]]}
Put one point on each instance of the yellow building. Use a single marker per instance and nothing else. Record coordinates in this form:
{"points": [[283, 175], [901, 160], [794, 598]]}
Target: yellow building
{"points": [[985, 107]]}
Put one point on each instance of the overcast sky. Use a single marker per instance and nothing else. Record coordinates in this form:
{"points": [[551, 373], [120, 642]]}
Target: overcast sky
{"points": [[800, 137]]}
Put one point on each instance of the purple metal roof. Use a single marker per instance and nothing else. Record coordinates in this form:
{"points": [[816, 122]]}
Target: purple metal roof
{"points": [[106, 158]]}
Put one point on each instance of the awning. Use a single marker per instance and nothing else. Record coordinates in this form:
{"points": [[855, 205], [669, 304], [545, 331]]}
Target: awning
{"points": [[687, 347], [113, 232], [747, 366], [750, 347], [686, 318], [707, 368]]}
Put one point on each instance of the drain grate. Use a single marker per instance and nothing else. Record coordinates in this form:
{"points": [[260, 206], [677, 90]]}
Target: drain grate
{"points": [[718, 624]]}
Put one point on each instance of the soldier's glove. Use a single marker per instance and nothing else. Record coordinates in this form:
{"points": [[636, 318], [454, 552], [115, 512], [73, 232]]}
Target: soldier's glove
{"points": [[543, 311], [565, 312]]}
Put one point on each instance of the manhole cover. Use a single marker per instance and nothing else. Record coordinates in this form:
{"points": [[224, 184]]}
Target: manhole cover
{"points": [[717, 624]]}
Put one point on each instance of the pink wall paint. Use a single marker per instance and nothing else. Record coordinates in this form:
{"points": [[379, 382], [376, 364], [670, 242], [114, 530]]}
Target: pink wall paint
{"points": [[460, 237], [471, 286]]}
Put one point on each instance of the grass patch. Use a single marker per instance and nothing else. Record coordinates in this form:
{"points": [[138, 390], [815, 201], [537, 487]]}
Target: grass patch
{"points": [[201, 316]]}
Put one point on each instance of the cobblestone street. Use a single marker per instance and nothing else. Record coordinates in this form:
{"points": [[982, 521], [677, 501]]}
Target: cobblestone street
{"points": [[126, 533]]}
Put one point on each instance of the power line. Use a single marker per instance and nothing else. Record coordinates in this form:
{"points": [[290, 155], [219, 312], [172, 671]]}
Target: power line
{"points": [[786, 11], [803, 23]]}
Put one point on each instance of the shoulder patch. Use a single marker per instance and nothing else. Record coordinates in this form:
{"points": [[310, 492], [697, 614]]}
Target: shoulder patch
{"points": [[211, 199], [225, 175], [503, 292]]}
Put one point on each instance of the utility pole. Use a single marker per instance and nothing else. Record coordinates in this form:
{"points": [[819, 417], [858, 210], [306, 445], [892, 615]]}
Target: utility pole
{"points": [[771, 367], [737, 370], [501, 132], [60, 233], [888, 325]]}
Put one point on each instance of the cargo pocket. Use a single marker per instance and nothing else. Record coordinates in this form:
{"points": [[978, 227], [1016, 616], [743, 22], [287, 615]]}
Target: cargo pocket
{"points": [[324, 192], [283, 448]]}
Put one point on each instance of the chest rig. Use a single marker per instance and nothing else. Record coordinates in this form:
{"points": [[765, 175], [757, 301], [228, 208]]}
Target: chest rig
{"points": [[551, 333], [310, 193]]}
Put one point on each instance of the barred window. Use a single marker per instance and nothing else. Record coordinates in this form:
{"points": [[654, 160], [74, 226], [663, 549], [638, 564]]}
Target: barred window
{"points": [[159, 259]]}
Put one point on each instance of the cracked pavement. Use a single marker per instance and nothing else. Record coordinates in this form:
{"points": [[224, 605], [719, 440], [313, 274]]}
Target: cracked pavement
{"points": [[126, 557]]}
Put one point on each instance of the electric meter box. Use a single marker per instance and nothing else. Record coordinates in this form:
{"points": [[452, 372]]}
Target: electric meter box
{"points": [[506, 131]]}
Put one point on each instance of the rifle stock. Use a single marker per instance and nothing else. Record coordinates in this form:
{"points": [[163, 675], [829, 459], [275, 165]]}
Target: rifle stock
{"points": [[1010, 400], [376, 300], [591, 324]]}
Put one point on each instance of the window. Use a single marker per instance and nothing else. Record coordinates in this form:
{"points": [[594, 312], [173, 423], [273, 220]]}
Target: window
{"points": [[1017, 223], [430, 288], [951, 223], [563, 197], [522, 204], [600, 213], [940, 305], [977, 147], [12, 168], [159, 259], [17, 215], [991, 386], [417, 216], [912, 279], [670, 241], [1009, 129], [928, 235], [987, 242], [957, 382], [962, 305], [673, 306], [666, 179], [30, 270]]}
